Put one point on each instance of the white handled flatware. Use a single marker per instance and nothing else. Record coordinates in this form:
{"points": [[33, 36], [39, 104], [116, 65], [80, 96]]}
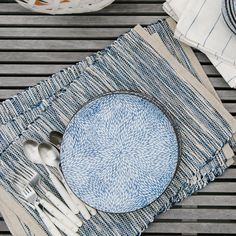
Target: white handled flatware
{"points": [[29, 194], [31, 150], [51, 157], [62, 227], [46, 220], [59, 215], [55, 138], [29, 177], [63, 208]]}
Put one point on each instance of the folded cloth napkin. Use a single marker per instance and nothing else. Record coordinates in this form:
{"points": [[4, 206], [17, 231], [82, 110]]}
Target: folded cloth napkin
{"points": [[229, 14], [148, 61], [201, 25]]}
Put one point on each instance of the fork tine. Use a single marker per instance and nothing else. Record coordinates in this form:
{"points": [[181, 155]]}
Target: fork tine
{"points": [[28, 169], [16, 180], [25, 169], [25, 174], [17, 187]]}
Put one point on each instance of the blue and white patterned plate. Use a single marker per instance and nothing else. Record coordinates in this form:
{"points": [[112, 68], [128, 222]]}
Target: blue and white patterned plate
{"points": [[119, 152]]}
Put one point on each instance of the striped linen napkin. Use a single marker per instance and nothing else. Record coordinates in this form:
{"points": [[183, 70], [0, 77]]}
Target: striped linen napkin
{"points": [[149, 61], [201, 25]]}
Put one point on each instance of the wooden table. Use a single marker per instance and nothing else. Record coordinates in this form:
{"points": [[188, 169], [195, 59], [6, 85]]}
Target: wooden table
{"points": [[33, 46]]}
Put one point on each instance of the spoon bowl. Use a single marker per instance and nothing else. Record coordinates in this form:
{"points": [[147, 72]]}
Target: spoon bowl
{"points": [[55, 137], [31, 151], [49, 154]]}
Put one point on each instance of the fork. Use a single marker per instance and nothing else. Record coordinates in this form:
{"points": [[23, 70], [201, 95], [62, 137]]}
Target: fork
{"points": [[32, 200], [34, 179], [28, 176], [31, 196]]}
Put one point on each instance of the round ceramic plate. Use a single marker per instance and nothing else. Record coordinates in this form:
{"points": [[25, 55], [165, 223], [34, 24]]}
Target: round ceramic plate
{"points": [[119, 152]]}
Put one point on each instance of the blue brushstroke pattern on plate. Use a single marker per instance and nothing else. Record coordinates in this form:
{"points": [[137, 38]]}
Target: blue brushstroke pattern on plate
{"points": [[119, 153]]}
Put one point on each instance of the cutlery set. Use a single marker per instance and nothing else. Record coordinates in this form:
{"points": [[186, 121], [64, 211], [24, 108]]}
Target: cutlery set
{"points": [[58, 214]]}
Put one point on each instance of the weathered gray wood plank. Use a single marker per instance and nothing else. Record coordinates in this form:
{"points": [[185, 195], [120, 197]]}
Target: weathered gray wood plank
{"points": [[231, 107], [10, 44], [199, 214], [229, 174], [66, 32], [3, 227], [212, 200], [224, 187], [227, 94], [42, 57], [75, 20], [140, 8], [58, 56], [188, 228], [24, 81], [218, 82]]}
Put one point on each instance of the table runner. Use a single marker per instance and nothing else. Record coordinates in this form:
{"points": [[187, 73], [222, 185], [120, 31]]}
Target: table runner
{"points": [[200, 163]]}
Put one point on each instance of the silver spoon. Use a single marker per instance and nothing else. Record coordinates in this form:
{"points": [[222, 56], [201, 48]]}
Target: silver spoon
{"points": [[56, 137], [51, 157], [32, 153]]}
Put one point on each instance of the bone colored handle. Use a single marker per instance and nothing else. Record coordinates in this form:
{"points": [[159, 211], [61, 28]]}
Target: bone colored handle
{"points": [[46, 220], [64, 194], [62, 227], [81, 206], [92, 211], [63, 208], [59, 215]]}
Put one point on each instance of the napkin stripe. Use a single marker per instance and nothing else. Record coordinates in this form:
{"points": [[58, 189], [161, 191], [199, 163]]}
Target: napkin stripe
{"points": [[195, 18], [211, 30]]}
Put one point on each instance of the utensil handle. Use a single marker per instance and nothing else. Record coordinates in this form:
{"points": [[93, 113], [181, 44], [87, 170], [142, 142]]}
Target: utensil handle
{"points": [[92, 211], [81, 206], [64, 194], [83, 210], [60, 216], [51, 227], [62, 227], [63, 208]]}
